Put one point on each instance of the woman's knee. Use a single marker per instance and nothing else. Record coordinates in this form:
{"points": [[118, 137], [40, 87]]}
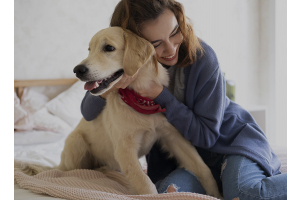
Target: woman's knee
{"points": [[182, 181], [245, 179]]}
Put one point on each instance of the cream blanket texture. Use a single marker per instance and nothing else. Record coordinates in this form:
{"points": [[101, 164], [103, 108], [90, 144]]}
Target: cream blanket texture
{"points": [[84, 184]]}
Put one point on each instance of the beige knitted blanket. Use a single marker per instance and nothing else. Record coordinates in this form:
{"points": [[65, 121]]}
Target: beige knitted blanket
{"points": [[88, 184]]}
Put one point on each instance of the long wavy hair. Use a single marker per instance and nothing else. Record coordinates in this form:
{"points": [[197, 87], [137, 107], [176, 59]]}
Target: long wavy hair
{"points": [[131, 14]]}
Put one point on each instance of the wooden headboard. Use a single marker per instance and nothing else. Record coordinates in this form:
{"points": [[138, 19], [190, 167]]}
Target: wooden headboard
{"points": [[21, 84]]}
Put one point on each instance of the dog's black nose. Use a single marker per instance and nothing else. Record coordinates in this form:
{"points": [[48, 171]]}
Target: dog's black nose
{"points": [[80, 70]]}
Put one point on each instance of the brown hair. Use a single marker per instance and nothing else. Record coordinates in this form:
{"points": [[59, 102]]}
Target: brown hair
{"points": [[131, 14]]}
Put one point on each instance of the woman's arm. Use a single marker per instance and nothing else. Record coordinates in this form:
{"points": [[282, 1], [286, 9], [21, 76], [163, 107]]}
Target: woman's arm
{"points": [[92, 106], [200, 119]]}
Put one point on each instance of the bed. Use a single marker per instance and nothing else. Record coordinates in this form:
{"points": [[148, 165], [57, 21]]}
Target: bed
{"points": [[45, 112]]}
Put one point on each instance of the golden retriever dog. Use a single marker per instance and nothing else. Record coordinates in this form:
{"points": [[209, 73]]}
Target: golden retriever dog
{"points": [[120, 135]]}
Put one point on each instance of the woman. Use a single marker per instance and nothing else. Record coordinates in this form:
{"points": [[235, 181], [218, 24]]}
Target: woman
{"points": [[224, 134]]}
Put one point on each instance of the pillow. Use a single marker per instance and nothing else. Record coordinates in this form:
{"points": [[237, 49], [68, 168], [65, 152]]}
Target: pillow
{"points": [[24, 124], [30, 102], [67, 104], [43, 120], [19, 112]]}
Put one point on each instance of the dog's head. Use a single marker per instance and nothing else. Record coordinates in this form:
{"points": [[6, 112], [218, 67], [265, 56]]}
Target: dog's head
{"points": [[112, 51]]}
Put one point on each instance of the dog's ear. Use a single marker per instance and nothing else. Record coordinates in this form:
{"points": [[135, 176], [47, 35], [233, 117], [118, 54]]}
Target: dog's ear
{"points": [[137, 52]]}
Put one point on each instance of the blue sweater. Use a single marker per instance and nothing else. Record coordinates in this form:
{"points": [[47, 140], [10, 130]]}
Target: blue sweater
{"points": [[208, 119]]}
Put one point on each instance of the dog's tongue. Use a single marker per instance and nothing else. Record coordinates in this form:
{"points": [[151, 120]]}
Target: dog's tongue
{"points": [[89, 85]]}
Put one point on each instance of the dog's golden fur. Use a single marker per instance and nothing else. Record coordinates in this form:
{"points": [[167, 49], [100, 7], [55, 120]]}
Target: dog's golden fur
{"points": [[119, 136]]}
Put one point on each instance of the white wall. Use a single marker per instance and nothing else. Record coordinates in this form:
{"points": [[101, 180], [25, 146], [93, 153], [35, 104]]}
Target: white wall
{"points": [[52, 36], [273, 64]]}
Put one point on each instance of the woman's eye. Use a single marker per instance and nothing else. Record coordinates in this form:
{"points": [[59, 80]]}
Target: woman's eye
{"points": [[177, 31], [109, 48], [156, 45]]}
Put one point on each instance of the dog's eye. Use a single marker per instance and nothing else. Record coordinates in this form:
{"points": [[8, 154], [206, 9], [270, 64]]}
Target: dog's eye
{"points": [[109, 48], [89, 49]]}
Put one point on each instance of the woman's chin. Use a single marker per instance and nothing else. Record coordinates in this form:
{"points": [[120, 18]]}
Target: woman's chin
{"points": [[170, 61]]}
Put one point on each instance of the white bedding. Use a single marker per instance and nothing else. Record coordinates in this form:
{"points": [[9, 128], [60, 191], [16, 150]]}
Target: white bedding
{"points": [[41, 129], [41, 147]]}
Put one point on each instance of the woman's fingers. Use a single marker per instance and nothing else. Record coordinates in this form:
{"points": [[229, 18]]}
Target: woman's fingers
{"points": [[155, 90], [125, 81]]}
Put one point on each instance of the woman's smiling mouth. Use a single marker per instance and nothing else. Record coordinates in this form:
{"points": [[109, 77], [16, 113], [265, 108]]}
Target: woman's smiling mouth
{"points": [[172, 57]]}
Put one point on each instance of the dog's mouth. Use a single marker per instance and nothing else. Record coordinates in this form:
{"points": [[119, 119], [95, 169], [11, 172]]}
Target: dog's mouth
{"points": [[97, 86]]}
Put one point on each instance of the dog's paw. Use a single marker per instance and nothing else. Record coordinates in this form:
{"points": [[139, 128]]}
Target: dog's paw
{"points": [[151, 189], [215, 194]]}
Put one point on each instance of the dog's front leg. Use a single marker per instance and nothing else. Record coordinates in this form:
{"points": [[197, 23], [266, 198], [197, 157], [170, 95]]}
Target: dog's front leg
{"points": [[188, 157], [126, 155]]}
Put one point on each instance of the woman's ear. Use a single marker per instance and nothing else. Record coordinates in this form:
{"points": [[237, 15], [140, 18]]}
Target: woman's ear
{"points": [[137, 52]]}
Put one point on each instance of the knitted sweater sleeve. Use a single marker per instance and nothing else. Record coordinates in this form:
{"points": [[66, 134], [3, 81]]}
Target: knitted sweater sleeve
{"points": [[200, 118], [91, 106]]}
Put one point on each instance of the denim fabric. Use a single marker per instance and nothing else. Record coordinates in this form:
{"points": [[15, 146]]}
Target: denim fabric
{"points": [[184, 180], [241, 179], [244, 178]]}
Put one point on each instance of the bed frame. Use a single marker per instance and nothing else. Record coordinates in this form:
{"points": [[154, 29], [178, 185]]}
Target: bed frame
{"points": [[19, 85]]}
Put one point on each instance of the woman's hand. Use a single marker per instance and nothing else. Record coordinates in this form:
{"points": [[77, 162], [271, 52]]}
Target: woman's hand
{"points": [[153, 92], [123, 83]]}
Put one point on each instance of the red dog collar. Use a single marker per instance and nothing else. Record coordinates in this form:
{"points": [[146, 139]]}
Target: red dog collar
{"points": [[141, 104]]}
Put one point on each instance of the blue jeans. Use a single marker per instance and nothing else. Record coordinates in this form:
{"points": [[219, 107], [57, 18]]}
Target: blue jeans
{"points": [[240, 178]]}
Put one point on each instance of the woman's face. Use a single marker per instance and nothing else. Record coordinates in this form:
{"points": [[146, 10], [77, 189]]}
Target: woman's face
{"points": [[165, 36]]}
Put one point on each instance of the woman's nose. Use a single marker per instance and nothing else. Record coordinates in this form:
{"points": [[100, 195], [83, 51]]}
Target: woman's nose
{"points": [[170, 48]]}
